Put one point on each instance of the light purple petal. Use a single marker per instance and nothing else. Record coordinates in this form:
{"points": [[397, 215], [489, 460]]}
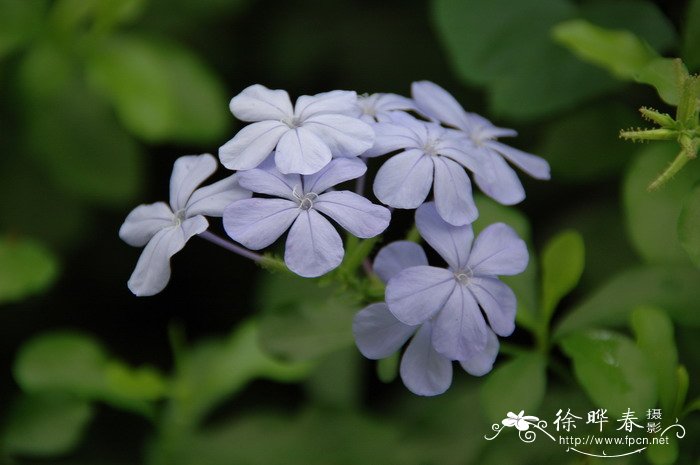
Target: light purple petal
{"points": [[498, 302], [266, 179], [453, 243], [453, 193], [405, 179], [498, 251], [188, 173], [301, 151], [460, 331], [152, 271], [354, 213], [211, 200], [533, 165], [337, 171], [463, 151], [482, 362], [144, 222], [335, 102], [503, 185], [392, 102], [313, 245], [424, 371], [435, 102], [258, 103], [378, 333], [391, 137], [251, 145], [417, 293], [345, 136], [257, 223], [396, 257]]}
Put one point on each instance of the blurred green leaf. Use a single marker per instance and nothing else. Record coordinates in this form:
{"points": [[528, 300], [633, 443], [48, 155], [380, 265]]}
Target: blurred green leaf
{"points": [[20, 21], [596, 156], [654, 333], [689, 225], [388, 368], [691, 35], [612, 370], [663, 454], [41, 425], [674, 289], [336, 380], [563, 260], [516, 385], [652, 217], [125, 382], [160, 91], [26, 268], [666, 75]]}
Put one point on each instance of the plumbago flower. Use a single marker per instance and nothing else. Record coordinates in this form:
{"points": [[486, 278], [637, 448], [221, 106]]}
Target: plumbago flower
{"points": [[452, 298], [164, 229], [378, 107], [378, 333], [431, 157], [503, 186], [521, 421], [299, 203], [305, 136]]}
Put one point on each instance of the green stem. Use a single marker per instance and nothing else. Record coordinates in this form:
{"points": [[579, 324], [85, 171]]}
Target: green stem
{"points": [[675, 166]]}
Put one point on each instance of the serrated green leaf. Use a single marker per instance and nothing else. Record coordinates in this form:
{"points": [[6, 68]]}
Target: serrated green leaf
{"points": [[689, 225], [42, 425], [612, 370], [26, 268], [563, 260], [518, 384]]}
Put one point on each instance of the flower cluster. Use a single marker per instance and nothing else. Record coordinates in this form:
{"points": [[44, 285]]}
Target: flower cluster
{"points": [[292, 157]]}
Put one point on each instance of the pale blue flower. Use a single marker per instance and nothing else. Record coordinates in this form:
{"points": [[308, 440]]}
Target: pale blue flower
{"points": [[164, 229], [299, 203], [453, 298], [504, 186], [305, 136], [430, 157], [378, 333], [379, 107]]}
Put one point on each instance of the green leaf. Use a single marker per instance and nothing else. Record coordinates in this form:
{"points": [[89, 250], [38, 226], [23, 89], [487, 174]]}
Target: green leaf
{"points": [[620, 52], [161, 92], [691, 35], [654, 333], [336, 380], [663, 454], [518, 384], [612, 370], [674, 289], [26, 268], [689, 225], [666, 75], [563, 260], [20, 21], [46, 425], [652, 217]]}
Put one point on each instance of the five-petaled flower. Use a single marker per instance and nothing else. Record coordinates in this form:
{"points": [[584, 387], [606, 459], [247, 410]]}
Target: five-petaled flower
{"points": [[521, 421], [306, 136], [379, 107], [164, 229], [313, 246]]}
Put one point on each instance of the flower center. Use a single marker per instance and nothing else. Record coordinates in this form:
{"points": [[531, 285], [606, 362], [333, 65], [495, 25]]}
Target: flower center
{"points": [[430, 147], [464, 276], [178, 217], [306, 201], [293, 122]]}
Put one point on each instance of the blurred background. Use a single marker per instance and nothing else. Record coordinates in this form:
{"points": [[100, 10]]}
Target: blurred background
{"points": [[99, 97]]}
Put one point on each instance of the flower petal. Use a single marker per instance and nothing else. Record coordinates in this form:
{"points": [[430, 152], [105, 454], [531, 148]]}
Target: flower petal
{"points": [[424, 371], [257, 223], [460, 331], [345, 136], [267, 179], [144, 222], [404, 181], [354, 213], [503, 184], [337, 171], [498, 302], [335, 102], [453, 243], [396, 257], [378, 333], [481, 362], [435, 102], [252, 145], [152, 271], [301, 151], [533, 165], [211, 200], [462, 150], [258, 103], [453, 193], [188, 173], [498, 251], [390, 137], [417, 293], [313, 246]]}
